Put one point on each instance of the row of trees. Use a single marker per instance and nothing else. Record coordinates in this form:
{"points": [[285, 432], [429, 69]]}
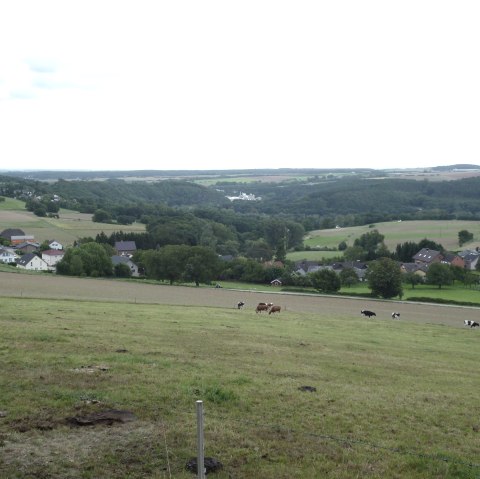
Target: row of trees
{"points": [[200, 264]]}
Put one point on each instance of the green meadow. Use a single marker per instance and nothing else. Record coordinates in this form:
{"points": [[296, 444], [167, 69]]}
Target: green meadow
{"points": [[443, 232], [70, 226], [291, 396]]}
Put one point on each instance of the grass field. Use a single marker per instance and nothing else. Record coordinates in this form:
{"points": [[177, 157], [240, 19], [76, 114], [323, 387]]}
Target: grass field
{"points": [[313, 255], [69, 227], [392, 399], [443, 232]]}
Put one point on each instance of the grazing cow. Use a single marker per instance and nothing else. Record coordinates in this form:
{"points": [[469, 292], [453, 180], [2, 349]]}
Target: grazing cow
{"points": [[367, 313], [472, 324], [262, 307], [275, 309], [395, 315], [240, 305]]}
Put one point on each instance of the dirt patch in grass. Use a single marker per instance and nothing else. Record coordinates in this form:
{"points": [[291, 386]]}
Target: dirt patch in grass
{"points": [[65, 452]]}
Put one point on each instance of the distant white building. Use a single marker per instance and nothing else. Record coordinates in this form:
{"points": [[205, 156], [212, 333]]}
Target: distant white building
{"points": [[245, 197]]}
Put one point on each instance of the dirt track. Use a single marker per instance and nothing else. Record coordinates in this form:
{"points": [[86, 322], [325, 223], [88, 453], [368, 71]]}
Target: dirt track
{"points": [[61, 287]]}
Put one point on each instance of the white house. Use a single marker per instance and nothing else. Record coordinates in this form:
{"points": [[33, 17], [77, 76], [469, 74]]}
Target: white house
{"points": [[117, 259], [7, 255], [55, 245], [52, 257], [32, 262]]}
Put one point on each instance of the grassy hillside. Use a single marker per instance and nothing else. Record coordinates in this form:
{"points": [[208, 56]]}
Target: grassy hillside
{"points": [[69, 227], [391, 399], [443, 232]]}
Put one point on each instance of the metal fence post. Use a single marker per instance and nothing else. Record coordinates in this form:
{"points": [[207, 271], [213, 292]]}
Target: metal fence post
{"points": [[200, 446]]}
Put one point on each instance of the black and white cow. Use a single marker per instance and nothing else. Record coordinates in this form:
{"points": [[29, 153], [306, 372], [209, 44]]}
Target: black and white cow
{"points": [[395, 315], [472, 324], [240, 305], [367, 313]]}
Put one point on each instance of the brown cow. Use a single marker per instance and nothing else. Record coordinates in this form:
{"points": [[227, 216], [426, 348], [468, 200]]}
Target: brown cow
{"points": [[261, 307], [275, 309]]}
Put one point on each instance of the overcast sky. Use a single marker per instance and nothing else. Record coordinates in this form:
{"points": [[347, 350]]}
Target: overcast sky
{"points": [[248, 84]]}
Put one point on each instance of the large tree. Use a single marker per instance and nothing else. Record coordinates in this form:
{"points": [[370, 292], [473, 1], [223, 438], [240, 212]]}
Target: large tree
{"points": [[201, 265], [325, 281], [89, 259], [464, 236], [439, 274], [385, 278]]}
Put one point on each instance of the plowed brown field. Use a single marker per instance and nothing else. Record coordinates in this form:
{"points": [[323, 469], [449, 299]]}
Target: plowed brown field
{"points": [[61, 287]]}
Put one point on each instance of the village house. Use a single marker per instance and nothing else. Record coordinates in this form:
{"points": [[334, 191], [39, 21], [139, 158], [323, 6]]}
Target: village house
{"points": [[359, 267], [52, 257], [125, 248], [116, 259], [427, 256], [32, 262], [7, 255], [55, 245], [453, 259], [27, 247], [417, 268], [470, 257]]}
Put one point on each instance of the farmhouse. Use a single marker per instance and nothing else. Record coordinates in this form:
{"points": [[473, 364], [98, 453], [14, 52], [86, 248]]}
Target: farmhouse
{"points": [[470, 257], [125, 248], [116, 259], [427, 256], [359, 267], [417, 268], [453, 259], [9, 232], [52, 257], [15, 240], [27, 247], [55, 245], [32, 262]]}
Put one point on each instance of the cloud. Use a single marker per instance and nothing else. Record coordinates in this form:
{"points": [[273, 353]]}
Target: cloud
{"points": [[42, 65]]}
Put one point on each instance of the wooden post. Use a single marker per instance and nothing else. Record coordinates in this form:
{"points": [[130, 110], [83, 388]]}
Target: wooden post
{"points": [[200, 446]]}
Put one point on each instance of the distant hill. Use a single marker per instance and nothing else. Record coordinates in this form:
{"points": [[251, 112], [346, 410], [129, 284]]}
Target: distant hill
{"points": [[316, 198], [461, 166]]}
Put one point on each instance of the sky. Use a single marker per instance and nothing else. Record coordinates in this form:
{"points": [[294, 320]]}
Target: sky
{"points": [[169, 85]]}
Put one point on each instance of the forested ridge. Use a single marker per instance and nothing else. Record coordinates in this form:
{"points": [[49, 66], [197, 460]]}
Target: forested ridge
{"points": [[316, 202]]}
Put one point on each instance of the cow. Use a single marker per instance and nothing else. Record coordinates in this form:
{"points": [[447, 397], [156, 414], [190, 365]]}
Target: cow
{"points": [[367, 313], [395, 315], [472, 324], [262, 307], [240, 305], [275, 309]]}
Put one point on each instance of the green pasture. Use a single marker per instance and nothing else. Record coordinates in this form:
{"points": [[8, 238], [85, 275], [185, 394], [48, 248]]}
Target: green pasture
{"points": [[443, 232], [454, 293], [69, 227], [11, 204], [313, 255], [391, 399]]}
